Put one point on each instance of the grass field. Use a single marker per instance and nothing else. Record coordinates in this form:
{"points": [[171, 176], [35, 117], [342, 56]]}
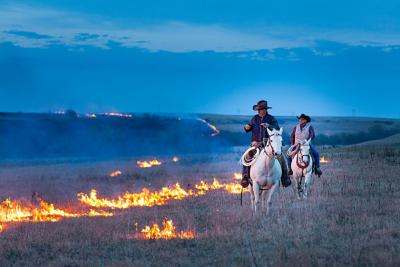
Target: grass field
{"points": [[351, 217]]}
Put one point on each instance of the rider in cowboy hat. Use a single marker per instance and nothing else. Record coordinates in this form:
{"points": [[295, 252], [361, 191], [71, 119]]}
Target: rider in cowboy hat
{"points": [[258, 127], [304, 131]]}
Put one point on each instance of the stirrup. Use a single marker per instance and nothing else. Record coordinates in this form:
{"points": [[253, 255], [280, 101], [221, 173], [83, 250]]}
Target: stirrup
{"points": [[245, 182]]}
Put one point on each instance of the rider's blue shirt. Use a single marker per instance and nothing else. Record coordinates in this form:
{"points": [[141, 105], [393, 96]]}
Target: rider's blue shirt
{"points": [[259, 132]]}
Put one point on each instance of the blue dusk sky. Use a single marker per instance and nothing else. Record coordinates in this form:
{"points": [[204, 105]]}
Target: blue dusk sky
{"points": [[334, 58]]}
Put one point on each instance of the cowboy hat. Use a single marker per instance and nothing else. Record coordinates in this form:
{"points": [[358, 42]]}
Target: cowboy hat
{"points": [[262, 104], [304, 116]]}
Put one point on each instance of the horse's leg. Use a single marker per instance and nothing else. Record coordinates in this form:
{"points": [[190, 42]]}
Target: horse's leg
{"points": [[263, 200], [295, 181], [294, 187], [256, 192], [252, 198], [307, 183], [299, 186], [269, 196]]}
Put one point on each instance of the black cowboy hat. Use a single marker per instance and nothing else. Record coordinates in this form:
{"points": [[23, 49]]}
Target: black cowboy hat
{"points": [[262, 104], [304, 116]]}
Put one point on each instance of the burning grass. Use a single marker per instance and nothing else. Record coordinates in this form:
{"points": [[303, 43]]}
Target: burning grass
{"points": [[324, 160], [350, 219], [167, 232], [16, 212], [148, 164], [212, 127], [116, 173], [148, 198]]}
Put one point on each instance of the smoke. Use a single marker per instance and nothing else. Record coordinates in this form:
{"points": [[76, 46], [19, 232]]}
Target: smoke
{"points": [[69, 134]]}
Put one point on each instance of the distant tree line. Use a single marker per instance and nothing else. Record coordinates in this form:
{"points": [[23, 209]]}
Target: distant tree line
{"points": [[373, 133]]}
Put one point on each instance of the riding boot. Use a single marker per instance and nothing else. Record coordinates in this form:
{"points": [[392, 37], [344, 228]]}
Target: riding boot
{"points": [[317, 169], [316, 159], [285, 179], [245, 177], [289, 163]]}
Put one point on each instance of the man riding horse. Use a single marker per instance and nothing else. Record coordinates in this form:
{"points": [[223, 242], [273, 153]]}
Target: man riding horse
{"points": [[302, 132], [258, 127]]}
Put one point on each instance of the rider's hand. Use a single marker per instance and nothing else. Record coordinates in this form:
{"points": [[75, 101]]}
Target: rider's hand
{"points": [[265, 125], [247, 127], [254, 143]]}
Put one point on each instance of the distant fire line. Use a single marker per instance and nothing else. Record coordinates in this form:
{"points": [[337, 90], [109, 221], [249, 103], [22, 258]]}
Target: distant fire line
{"points": [[214, 128]]}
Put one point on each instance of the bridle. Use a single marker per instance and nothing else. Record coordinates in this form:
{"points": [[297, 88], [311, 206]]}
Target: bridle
{"points": [[269, 144], [303, 164]]}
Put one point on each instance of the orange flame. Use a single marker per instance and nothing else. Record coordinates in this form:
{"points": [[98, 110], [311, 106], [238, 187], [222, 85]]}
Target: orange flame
{"points": [[148, 164], [116, 173], [323, 160], [168, 232], [14, 211], [146, 198], [216, 131], [237, 176]]}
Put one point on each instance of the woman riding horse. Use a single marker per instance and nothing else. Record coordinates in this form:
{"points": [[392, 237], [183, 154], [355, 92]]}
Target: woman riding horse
{"points": [[302, 132], [258, 127]]}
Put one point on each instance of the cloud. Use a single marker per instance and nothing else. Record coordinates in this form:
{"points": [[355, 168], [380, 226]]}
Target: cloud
{"points": [[41, 27]]}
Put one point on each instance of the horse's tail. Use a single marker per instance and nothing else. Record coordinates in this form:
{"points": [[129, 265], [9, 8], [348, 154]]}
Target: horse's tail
{"points": [[246, 160]]}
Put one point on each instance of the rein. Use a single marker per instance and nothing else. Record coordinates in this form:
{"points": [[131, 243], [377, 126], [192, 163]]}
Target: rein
{"points": [[269, 144], [302, 164]]}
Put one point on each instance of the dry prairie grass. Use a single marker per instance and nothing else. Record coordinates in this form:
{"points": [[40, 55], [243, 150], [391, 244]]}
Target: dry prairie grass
{"points": [[351, 218]]}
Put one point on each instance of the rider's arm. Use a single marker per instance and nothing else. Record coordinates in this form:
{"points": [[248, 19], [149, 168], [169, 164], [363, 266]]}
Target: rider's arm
{"points": [[250, 124]]}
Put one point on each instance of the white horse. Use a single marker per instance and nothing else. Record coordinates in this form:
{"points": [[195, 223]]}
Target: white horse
{"points": [[302, 167], [265, 171]]}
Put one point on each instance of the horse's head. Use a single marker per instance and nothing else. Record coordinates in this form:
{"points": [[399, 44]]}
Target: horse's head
{"points": [[275, 141], [305, 150]]}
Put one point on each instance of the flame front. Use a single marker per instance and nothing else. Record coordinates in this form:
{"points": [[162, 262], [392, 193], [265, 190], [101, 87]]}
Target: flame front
{"points": [[237, 176], [147, 198], [148, 164], [212, 127], [116, 173], [14, 211], [17, 211], [323, 160], [168, 232]]}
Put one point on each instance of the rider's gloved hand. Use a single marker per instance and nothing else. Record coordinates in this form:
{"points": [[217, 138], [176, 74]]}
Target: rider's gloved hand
{"points": [[247, 127], [265, 125], [254, 143]]}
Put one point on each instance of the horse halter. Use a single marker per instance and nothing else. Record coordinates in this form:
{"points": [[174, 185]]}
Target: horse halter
{"points": [[306, 163], [269, 144]]}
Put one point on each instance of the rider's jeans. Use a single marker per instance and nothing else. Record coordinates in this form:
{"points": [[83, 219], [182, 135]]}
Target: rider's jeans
{"points": [[316, 155]]}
